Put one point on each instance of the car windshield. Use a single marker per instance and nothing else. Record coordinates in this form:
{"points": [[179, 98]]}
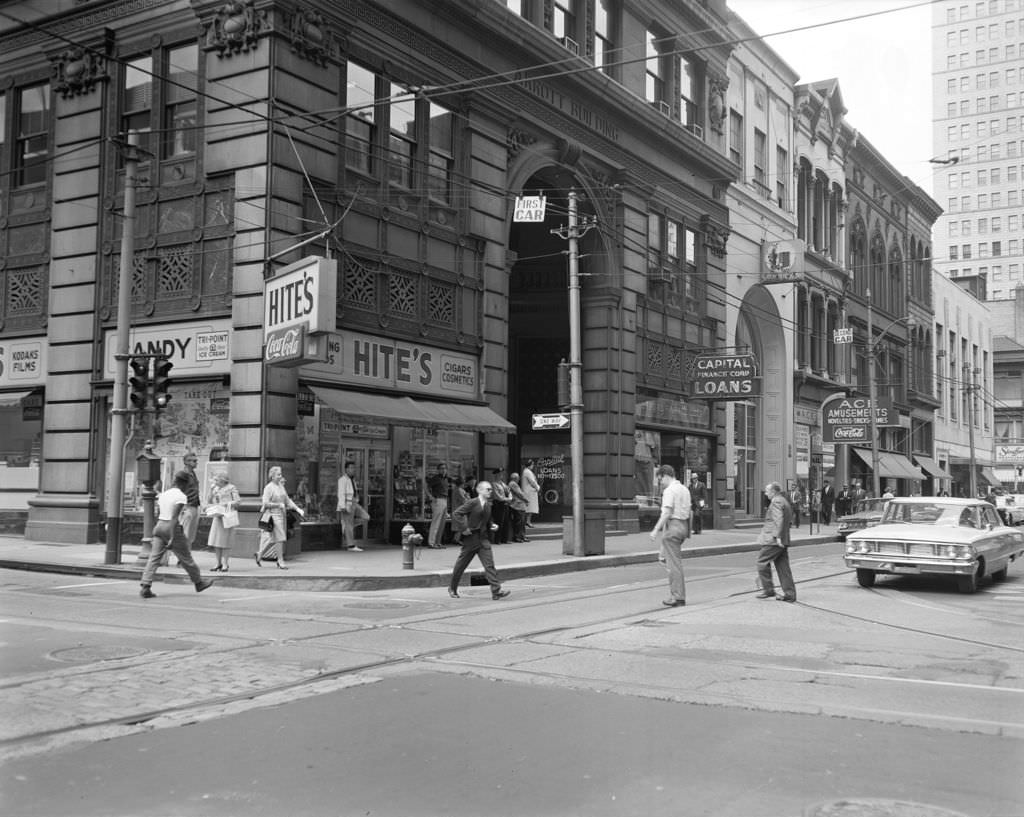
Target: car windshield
{"points": [[926, 513], [873, 505]]}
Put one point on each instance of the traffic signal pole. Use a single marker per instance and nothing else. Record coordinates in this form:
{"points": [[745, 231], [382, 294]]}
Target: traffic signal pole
{"points": [[119, 412]]}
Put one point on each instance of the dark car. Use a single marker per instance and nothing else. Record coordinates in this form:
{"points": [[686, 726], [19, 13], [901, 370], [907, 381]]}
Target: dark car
{"points": [[866, 513]]}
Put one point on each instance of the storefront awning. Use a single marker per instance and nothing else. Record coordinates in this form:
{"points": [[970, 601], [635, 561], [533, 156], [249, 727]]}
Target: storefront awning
{"points": [[406, 411], [1007, 475], [9, 399], [990, 477], [891, 465], [932, 468]]}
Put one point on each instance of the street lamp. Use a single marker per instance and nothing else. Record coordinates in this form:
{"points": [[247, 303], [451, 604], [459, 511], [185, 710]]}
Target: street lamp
{"points": [[873, 390]]}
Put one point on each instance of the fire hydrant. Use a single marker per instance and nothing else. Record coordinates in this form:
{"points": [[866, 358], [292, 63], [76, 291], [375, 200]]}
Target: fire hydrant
{"points": [[408, 532]]}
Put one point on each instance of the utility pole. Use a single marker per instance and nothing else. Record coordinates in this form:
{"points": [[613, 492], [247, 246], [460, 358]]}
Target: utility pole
{"points": [[573, 233], [876, 485], [969, 391], [119, 412]]}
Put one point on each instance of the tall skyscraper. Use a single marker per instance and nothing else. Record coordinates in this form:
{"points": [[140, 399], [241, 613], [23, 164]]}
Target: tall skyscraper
{"points": [[978, 139]]}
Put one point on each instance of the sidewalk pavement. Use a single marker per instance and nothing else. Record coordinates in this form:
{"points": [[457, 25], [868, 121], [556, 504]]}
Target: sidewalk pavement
{"points": [[379, 567]]}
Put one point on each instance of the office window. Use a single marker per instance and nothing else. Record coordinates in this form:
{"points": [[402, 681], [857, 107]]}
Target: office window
{"points": [[997, 249], [965, 179], [982, 249], [654, 85], [979, 34], [953, 181], [441, 152], [360, 121], [997, 224], [182, 95], [951, 85], [563, 18], [982, 178], [515, 6], [953, 229], [1013, 224], [981, 82], [951, 204], [402, 136], [953, 253], [965, 227], [760, 159], [782, 171], [951, 133], [965, 107], [689, 91], [736, 136], [965, 252], [993, 103], [995, 175], [965, 84], [982, 226], [603, 43]]}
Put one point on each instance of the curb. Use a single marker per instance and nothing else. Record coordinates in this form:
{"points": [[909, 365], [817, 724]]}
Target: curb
{"points": [[397, 581]]}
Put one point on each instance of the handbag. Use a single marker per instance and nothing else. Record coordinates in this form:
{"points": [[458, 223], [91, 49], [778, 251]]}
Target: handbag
{"points": [[266, 522], [230, 519]]}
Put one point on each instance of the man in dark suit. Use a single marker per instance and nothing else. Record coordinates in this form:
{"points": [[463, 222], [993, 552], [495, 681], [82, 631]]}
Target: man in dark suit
{"points": [[828, 498], [844, 502], [471, 522]]}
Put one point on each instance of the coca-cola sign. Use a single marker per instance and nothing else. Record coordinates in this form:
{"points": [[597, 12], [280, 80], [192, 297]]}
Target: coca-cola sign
{"points": [[285, 347]]}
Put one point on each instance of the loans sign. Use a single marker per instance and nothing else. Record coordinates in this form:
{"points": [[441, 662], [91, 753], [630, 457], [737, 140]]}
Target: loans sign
{"points": [[724, 377]]}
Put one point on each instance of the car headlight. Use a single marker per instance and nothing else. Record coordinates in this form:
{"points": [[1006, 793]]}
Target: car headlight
{"points": [[956, 551], [858, 547]]}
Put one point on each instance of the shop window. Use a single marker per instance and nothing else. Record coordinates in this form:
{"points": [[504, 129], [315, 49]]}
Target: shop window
{"points": [[22, 422]]}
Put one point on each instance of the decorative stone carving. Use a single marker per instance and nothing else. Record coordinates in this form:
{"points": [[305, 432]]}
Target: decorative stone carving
{"points": [[310, 36], [717, 109], [517, 140], [715, 235], [236, 28], [77, 71]]}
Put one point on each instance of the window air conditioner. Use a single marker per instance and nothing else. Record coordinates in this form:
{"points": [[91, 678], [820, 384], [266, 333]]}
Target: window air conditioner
{"points": [[696, 130], [570, 45], [663, 107]]}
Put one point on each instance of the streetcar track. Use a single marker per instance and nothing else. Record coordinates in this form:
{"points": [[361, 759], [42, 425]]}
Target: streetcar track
{"points": [[438, 656]]}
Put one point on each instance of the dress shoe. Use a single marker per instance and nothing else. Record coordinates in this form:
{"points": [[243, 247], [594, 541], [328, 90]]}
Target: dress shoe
{"points": [[790, 599], [216, 569], [674, 602], [281, 566], [146, 593], [765, 596], [500, 594], [453, 593], [203, 585], [356, 549]]}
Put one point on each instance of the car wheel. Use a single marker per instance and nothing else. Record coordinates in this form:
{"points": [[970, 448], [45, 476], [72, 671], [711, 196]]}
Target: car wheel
{"points": [[865, 578], [969, 584]]}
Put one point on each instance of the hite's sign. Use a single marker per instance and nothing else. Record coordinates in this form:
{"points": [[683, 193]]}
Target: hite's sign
{"points": [[848, 420], [299, 306], [386, 363], [724, 377]]}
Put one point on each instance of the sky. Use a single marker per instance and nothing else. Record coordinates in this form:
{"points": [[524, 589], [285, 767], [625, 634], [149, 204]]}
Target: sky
{"points": [[883, 64]]}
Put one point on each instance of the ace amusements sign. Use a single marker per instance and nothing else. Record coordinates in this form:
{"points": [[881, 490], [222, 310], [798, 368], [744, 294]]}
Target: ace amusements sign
{"points": [[724, 377], [848, 419]]}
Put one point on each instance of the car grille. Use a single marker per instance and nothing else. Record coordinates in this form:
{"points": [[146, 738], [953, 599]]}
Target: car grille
{"points": [[902, 549]]}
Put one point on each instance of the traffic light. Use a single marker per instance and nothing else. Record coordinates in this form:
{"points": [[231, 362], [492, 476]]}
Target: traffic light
{"points": [[161, 383], [563, 385], [139, 382]]}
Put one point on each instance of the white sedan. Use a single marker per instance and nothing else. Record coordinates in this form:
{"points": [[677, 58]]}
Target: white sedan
{"points": [[939, 536]]}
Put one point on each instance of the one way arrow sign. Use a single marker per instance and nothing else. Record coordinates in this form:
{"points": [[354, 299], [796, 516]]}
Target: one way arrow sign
{"points": [[545, 421]]}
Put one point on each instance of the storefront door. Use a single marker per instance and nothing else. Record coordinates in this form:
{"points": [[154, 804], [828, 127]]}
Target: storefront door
{"points": [[372, 469]]}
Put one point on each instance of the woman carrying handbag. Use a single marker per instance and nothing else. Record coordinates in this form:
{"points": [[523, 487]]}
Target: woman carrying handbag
{"points": [[223, 508], [273, 526]]}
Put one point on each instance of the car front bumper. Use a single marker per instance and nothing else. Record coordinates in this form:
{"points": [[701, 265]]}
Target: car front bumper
{"points": [[916, 567]]}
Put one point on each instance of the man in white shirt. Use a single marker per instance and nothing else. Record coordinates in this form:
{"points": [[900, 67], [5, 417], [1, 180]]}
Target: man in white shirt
{"points": [[348, 501], [675, 522], [168, 534]]}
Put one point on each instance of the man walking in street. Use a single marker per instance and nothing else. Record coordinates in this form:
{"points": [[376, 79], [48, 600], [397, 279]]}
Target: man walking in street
{"points": [[168, 534], [471, 521], [828, 498], [774, 542], [675, 522], [438, 487]]}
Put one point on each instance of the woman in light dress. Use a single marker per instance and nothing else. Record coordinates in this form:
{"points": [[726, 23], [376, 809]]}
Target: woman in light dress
{"points": [[224, 497], [277, 502]]}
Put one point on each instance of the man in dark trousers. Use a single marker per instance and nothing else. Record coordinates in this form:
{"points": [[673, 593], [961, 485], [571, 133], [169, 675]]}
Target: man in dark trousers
{"points": [[699, 499], [774, 542], [844, 502], [472, 523], [438, 488], [828, 498]]}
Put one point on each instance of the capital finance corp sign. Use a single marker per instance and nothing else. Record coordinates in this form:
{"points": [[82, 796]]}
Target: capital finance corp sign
{"points": [[724, 377]]}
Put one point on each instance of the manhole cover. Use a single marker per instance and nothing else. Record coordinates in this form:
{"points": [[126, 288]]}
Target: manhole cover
{"points": [[377, 605], [96, 653], [875, 807]]}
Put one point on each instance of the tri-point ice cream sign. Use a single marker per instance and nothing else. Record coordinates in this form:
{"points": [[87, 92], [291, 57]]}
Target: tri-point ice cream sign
{"points": [[299, 311]]}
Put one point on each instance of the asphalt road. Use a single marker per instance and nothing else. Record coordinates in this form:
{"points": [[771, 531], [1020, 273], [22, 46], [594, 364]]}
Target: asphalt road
{"points": [[580, 694]]}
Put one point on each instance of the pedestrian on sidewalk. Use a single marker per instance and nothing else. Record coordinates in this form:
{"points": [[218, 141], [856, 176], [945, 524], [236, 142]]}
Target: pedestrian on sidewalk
{"points": [[275, 503], [224, 499], [699, 499], [349, 509], [517, 508], [532, 490], [168, 533], [675, 522], [774, 542], [828, 498], [796, 501], [472, 524], [190, 513], [438, 486], [501, 501]]}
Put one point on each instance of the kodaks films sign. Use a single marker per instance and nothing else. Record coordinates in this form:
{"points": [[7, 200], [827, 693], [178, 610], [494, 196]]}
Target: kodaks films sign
{"points": [[724, 377], [299, 309]]}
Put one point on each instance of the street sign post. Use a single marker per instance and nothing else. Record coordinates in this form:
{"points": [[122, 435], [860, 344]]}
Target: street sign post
{"points": [[842, 335], [557, 421]]}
